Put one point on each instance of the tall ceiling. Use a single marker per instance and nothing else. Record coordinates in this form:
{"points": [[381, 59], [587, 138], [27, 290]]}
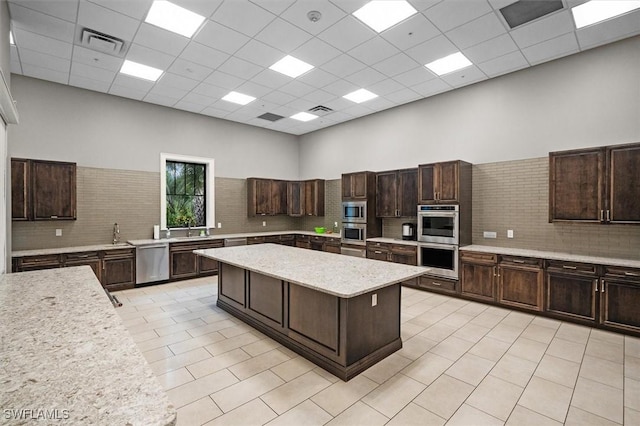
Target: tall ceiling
{"points": [[241, 39]]}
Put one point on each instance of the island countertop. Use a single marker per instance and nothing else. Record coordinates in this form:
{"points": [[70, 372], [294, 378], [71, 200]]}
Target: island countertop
{"points": [[67, 357], [338, 275]]}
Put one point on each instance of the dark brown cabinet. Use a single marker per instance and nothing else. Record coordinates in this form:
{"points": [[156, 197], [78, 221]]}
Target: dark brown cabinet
{"points": [[183, 263], [278, 197], [207, 266], [521, 282], [478, 274], [397, 193], [358, 185], [119, 269], [428, 282], [314, 197], [571, 290], [594, 185], [303, 241], [439, 182], [36, 263], [91, 258], [620, 298], [266, 197], [296, 194], [43, 190]]}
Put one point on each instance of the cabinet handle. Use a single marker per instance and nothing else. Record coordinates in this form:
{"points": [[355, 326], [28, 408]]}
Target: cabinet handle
{"points": [[82, 256], [631, 274], [601, 215], [596, 281], [377, 252], [608, 216], [518, 261], [435, 283], [602, 288], [54, 217], [569, 267], [494, 271]]}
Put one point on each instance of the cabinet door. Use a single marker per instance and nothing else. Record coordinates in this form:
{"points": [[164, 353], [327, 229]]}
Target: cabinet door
{"points": [[20, 178], [207, 266], [258, 196], [571, 295], [387, 194], [184, 263], [378, 254], [408, 192], [279, 196], [53, 190], [521, 287], [406, 255], [87, 258], [314, 197], [619, 304], [332, 247], [359, 185], [624, 181], [346, 186], [427, 184], [119, 273], [477, 280], [576, 186], [296, 194], [447, 182]]}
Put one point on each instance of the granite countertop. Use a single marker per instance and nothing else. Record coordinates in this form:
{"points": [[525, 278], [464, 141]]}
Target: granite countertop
{"points": [[342, 276], [393, 241], [64, 348], [223, 236], [552, 255], [77, 249]]}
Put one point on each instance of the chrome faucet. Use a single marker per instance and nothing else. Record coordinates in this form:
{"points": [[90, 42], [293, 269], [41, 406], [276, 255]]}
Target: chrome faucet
{"points": [[116, 233]]}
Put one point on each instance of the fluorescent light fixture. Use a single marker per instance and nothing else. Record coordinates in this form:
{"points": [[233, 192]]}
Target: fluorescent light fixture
{"points": [[291, 66], [594, 11], [174, 18], [135, 69], [360, 95], [451, 63], [304, 116], [381, 15], [238, 98], [11, 38]]}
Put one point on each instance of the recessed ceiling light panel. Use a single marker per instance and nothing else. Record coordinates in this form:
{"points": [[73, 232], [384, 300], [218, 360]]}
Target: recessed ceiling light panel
{"points": [[135, 69], [238, 98], [291, 66], [304, 116], [360, 95], [381, 15], [594, 11], [174, 18], [451, 63]]}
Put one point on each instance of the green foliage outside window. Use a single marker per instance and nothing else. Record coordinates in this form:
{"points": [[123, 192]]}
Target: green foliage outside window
{"points": [[186, 194]]}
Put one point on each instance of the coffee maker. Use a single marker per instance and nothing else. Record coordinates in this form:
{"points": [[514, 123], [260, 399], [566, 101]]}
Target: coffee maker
{"points": [[409, 231]]}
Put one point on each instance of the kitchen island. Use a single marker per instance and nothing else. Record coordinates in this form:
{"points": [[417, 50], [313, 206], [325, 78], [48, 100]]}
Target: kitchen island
{"points": [[67, 358], [340, 312]]}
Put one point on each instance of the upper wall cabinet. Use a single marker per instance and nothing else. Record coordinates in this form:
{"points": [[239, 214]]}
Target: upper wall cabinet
{"points": [[397, 193], [281, 197], [441, 183], [598, 185], [43, 190], [306, 198], [358, 186]]}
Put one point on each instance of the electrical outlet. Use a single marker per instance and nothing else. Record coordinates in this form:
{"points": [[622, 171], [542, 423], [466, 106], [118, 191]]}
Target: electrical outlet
{"points": [[490, 234], [58, 232], [509, 233], [219, 224], [264, 223], [335, 224], [374, 299]]}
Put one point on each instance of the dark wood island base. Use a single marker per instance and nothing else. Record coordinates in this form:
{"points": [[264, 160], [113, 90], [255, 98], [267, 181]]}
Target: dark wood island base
{"points": [[344, 336]]}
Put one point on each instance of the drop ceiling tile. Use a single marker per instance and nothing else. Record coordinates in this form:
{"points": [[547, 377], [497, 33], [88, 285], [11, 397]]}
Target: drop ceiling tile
{"points": [[301, 104], [271, 79], [159, 39], [243, 16], [127, 92], [284, 111], [350, 6], [297, 15], [315, 52], [274, 6], [339, 116], [204, 8], [96, 59], [341, 87], [42, 44], [482, 29], [194, 98], [136, 9], [282, 35], [396, 64], [188, 106], [207, 93], [45, 73], [613, 29], [252, 89], [403, 96], [373, 51], [317, 78], [340, 103], [43, 60], [499, 4], [107, 21], [87, 83], [464, 77], [260, 54], [379, 104], [504, 64], [177, 81], [385, 87], [220, 37], [431, 50], [447, 15], [214, 112], [366, 77], [343, 66], [67, 10], [552, 49], [415, 30], [39, 23], [279, 98], [347, 34], [296, 88], [224, 80], [358, 110], [153, 58], [168, 92], [490, 49], [134, 83], [189, 69], [160, 100], [415, 76], [225, 106], [203, 55], [422, 5], [543, 29], [431, 87], [319, 97], [240, 68], [93, 73]]}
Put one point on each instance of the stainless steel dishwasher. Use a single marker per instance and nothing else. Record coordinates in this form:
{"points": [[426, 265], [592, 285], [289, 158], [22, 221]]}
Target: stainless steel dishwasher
{"points": [[152, 262]]}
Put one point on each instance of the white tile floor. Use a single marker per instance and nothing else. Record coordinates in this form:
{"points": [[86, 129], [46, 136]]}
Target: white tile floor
{"points": [[463, 363]]}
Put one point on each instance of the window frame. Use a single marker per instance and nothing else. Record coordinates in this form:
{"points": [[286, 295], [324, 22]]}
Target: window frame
{"points": [[209, 187]]}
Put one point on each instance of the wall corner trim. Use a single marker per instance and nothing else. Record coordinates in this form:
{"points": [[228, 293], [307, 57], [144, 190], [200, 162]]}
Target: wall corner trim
{"points": [[8, 110]]}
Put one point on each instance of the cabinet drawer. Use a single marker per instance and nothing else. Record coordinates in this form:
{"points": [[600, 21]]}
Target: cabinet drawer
{"points": [[304, 238], [523, 261], [404, 250], [473, 256], [119, 253], [377, 245], [285, 238], [622, 272], [51, 259], [82, 256], [275, 239], [211, 244], [432, 283], [582, 268], [255, 240], [377, 254]]}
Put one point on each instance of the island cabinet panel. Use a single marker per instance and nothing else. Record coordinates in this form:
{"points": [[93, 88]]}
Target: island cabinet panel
{"points": [[571, 291], [265, 297], [231, 284], [521, 282], [314, 316]]}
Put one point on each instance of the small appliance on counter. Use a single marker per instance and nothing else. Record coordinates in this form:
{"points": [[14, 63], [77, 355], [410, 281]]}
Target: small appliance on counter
{"points": [[409, 231]]}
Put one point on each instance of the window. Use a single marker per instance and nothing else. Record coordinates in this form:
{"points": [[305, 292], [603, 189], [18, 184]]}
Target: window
{"points": [[186, 191]]}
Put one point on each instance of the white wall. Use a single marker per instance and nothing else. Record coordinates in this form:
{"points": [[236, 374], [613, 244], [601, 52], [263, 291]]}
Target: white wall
{"points": [[5, 237], [5, 56], [93, 129], [588, 99]]}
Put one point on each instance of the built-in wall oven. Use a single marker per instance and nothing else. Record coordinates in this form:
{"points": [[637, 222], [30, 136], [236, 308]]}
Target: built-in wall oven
{"points": [[354, 211], [438, 224], [441, 258], [354, 233]]}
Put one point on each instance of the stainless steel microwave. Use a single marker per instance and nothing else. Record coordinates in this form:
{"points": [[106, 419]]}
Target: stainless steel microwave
{"points": [[354, 211], [438, 224]]}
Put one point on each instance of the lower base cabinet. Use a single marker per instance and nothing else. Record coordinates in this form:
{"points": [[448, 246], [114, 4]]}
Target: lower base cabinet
{"points": [[183, 263], [620, 299], [119, 269], [478, 273], [571, 291], [521, 282], [428, 282]]}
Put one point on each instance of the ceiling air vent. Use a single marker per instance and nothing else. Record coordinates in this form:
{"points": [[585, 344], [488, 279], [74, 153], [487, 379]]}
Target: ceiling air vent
{"points": [[101, 42], [320, 109], [270, 117], [524, 11]]}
